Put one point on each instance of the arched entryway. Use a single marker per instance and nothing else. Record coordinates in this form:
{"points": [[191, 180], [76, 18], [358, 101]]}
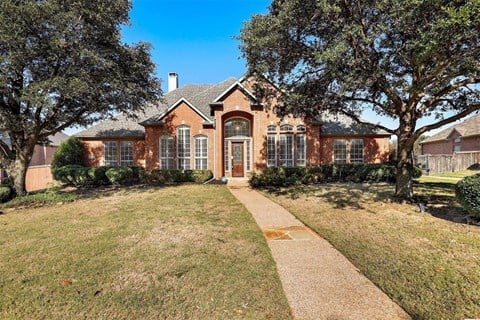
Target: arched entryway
{"points": [[237, 150]]}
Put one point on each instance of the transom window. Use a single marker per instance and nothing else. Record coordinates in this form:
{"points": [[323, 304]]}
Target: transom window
{"points": [[237, 127], [286, 128], [272, 128], [301, 128]]}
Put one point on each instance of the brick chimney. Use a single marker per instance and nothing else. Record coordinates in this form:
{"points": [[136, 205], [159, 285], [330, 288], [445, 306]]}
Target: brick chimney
{"points": [[172, 81]]}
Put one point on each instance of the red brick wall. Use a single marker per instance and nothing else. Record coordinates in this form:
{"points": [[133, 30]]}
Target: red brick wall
{"points": [[376, 149], [470, 144], [447, 146]]}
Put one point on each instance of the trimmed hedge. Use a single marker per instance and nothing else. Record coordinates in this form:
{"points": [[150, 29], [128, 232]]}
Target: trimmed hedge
{"points": [[75, 175], [467, 191], [159, 176], [70, 152], [283, 177], [119, 175]]}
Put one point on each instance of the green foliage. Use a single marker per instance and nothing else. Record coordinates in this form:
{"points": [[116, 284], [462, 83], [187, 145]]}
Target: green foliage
{"points": [[405, 59], [36, 199], [74, 175], [283, 177], [70, 152], [97, 175], [6, 193], [158, 176], [64, 63], [119, 175], [467, 191]]}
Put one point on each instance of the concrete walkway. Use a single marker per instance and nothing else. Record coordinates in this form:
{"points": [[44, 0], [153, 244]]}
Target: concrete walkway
{"points": [[319, 282]]}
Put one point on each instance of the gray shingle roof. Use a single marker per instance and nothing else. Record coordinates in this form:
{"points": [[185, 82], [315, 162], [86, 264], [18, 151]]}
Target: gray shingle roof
{"points": [[469, 127], [336, 124]]}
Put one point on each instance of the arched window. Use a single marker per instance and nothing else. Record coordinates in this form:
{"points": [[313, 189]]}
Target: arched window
{"points": [[271, 129], [286, 128], [301, 128], [237, 127]]}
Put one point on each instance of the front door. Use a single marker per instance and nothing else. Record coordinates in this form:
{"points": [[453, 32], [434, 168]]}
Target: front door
{"points": [[237, 163]]}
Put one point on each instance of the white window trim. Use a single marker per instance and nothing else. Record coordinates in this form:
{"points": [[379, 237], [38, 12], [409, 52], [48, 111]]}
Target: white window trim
{"points": [[199, 139]]}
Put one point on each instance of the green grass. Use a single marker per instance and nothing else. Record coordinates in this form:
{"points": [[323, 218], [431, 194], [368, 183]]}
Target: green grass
{"points": [[185, 252], [428, 263]]}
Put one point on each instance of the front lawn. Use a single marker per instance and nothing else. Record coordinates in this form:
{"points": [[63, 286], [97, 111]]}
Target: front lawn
{"points": [[185, 252], [429, 263]]}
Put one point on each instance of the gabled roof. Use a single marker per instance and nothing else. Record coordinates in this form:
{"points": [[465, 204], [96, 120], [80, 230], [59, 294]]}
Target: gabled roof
{"points": [[467, 128], [341, 124]]}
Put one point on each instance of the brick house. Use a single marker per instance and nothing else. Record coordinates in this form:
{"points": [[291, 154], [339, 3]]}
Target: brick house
{"points": [[225, 128], [461, 137]]}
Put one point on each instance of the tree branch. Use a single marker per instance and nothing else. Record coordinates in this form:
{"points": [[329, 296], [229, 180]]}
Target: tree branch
{"points": [[360, 121]]}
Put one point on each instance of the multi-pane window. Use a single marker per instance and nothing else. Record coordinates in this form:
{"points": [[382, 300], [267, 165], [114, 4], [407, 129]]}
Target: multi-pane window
{"points": [[166, 152], [183, 147], [272, 150], [301, 154], [286, 150], [126, 153], [340, 151], [248, 155], [110, 153], [201, 152], [356, 151]]}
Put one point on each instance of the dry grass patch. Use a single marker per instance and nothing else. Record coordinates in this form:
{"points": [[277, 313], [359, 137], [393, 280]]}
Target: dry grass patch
{"points": [[428, 264], [185, 252]]}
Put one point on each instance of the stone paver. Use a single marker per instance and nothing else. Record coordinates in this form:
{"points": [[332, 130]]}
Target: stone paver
{"points": [[319, 282]]}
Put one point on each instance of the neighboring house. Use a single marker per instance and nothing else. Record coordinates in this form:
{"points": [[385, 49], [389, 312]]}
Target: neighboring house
{"points": [[225, 128], [38, 173], [464, 136]]}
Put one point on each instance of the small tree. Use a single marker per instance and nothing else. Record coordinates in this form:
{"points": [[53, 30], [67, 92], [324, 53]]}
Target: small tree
{"points": [[70, 152], [63, 63], [405, 59]]}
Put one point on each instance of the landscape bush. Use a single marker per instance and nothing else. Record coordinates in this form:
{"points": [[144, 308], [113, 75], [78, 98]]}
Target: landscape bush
{"points": [[119, 175], [70, 152], [467, 191], [97, 175], [75, 175], [6, 193], [284, 177], [160, 176]]}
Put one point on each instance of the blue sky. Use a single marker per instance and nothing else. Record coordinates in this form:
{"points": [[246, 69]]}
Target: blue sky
{"points": [[193, 38]]}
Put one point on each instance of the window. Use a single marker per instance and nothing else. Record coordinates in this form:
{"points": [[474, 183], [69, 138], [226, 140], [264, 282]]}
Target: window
{"points": [[166, 152], [301, 155], [237, 128], [356, 151], [227, 167], [272, 150], [301, 128], [183, 147], [286, 150], [126, 153], [340, 151], [248, 155], [201, 152], [110, 153], [271, 128], [456, 148], [286, 128]]}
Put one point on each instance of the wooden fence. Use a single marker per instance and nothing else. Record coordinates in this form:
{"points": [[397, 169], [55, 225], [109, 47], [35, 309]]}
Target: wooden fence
{"points": [[440, 163], [38, 177]]}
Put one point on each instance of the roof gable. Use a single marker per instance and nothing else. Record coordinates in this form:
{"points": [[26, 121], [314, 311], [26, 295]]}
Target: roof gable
{"points": [[233, 86], [174, 106], [469, 127]]}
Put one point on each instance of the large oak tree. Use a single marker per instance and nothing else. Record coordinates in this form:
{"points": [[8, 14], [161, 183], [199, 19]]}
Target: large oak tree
{"points": [[405, 59], [62, 63]]}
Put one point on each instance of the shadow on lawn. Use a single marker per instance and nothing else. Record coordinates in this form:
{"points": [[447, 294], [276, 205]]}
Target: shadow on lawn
{"points": [[438, 197]]}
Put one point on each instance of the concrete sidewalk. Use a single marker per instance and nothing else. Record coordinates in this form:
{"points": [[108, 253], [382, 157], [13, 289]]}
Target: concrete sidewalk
{"points": [[319, 282]]}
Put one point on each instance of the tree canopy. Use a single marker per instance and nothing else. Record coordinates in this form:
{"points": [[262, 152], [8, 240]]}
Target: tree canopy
{"points": [[405, 59], [63, 63]]}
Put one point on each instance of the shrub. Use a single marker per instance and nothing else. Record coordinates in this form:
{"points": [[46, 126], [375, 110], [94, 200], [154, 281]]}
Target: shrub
{"points": [[119, 175], [73, 175], [97, 175], [70, 152], [467, 191], [159, 176], [6, 193]]}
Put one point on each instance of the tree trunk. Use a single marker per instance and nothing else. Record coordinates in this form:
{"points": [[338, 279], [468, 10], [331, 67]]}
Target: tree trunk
{"points": [[406, 140], [17, 173]]}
